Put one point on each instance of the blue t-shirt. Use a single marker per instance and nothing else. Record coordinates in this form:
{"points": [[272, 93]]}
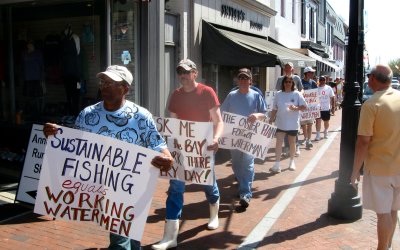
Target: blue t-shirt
{"points": [[244, 104], [252, 87], [309, 84], [131, 123]]}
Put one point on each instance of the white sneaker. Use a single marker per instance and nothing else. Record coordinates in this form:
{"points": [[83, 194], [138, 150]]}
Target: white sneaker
{"points": [[297, 153], [309, 144], [318, 137], [292, 166], [275, 168], [326, 135]]}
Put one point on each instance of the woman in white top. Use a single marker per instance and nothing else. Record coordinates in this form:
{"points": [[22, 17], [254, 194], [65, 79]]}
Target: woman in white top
{"points": [[286, 114]]}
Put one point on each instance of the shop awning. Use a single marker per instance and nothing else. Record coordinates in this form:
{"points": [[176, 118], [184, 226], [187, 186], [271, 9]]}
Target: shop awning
{"points": [[230, 48], [322, 64]]}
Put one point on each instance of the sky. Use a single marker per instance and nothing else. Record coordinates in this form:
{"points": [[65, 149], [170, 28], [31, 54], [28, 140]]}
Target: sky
{"points": [[382, 33]]}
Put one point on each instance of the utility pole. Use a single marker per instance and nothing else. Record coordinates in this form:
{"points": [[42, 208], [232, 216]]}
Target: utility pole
{"points": [[345, 203]]}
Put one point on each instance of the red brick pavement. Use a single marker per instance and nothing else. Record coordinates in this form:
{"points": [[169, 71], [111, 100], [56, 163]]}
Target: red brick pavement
{"points": [[304, 224]]}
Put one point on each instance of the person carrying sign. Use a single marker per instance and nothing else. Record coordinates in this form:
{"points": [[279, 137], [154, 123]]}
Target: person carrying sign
{"points": [[248, 103], [193, 101], [285, 113], [124, 120], [306, 125]]}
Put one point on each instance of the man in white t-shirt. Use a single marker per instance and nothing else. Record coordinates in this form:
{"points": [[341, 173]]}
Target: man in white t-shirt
{"points": [[326, 96]]}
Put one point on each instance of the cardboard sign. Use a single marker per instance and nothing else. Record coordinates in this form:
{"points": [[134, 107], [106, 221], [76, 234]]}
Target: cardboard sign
{"points": [[313, 106], [29, 180], [94, 178], [251, 138], [187, 141]]}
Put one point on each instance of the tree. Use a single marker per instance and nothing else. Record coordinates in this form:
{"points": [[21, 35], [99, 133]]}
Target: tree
{"points": [[395, 66]]}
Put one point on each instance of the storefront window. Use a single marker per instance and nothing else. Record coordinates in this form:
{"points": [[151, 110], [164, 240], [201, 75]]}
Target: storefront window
{"points": [[123, 37]]}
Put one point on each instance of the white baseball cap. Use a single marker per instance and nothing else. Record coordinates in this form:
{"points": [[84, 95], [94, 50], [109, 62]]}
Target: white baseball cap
{"points": [[308, 69], [117, 73]]}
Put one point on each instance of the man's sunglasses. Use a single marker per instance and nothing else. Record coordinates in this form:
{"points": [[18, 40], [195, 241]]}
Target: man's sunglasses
{"points": [[243, 77], [183, 72]]}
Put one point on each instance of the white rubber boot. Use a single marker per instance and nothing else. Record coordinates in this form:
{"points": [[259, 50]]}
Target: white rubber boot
{"points": [[171, 229], [213, 222]]}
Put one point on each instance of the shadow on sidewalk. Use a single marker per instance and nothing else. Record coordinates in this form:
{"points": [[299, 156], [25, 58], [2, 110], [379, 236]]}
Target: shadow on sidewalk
{"points": [[190, 239], [213, 241], [323, 221], [272, 193]]}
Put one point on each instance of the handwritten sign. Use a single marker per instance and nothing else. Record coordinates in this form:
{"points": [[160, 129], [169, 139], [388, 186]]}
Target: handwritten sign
{"points": [[187, 141], [313, 106], [94, 178], [269, 99], [251, 138]]}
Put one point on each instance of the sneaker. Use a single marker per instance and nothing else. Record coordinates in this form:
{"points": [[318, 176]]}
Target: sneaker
{"points": [[309, 144], [326, 135], [318, 137], [292, 166], [244, 201], [275, 168], [303, 142], [297, 153]]}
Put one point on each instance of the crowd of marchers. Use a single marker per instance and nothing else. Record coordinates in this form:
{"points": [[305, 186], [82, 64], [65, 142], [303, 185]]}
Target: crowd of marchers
{"points": [[195, 101]]}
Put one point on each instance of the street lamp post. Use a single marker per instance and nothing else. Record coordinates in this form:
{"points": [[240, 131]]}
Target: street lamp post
{"points": [[345, 203]]}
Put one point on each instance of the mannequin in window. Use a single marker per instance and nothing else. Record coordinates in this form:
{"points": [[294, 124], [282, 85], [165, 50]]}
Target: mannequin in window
{"points": [[32, 60], [70, 67]]}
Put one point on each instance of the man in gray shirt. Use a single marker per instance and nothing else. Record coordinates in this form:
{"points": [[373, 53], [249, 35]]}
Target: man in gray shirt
{"points": [[288, 71]]}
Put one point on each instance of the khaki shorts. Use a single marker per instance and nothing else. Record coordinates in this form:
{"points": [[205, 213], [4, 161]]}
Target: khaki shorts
{"points": [[311, 121], [381, 193]]}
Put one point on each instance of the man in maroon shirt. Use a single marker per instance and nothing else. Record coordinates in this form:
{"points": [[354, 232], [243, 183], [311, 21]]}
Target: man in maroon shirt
{"points": [[193, 101]]}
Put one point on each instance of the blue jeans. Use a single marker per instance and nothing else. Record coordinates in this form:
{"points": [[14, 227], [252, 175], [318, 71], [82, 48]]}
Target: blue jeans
{"points": [[243, 168], [118, 242], [175, 197]]}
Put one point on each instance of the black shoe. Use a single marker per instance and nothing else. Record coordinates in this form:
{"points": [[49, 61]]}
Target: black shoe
{"points": [[244, 202]]}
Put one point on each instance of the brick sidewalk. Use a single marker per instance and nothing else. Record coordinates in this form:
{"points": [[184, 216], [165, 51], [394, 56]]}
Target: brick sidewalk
{"points": [[302, 225]]}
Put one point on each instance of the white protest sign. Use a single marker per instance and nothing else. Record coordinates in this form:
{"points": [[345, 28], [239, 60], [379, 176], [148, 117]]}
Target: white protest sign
{"points": [[187, 141], [313, 106], [33, 163], [94, 178], [269, 99], [251, 138]]}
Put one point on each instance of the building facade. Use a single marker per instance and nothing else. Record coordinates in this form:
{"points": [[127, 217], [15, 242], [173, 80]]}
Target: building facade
{"points": [[43, 43]]}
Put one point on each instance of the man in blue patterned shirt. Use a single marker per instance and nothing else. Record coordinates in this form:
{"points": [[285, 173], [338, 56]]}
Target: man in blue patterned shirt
{"points": [[124, 120]]}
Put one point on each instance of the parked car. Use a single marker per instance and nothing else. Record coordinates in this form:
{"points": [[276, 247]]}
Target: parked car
{"points": [[395, 84], [367, 92]]}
